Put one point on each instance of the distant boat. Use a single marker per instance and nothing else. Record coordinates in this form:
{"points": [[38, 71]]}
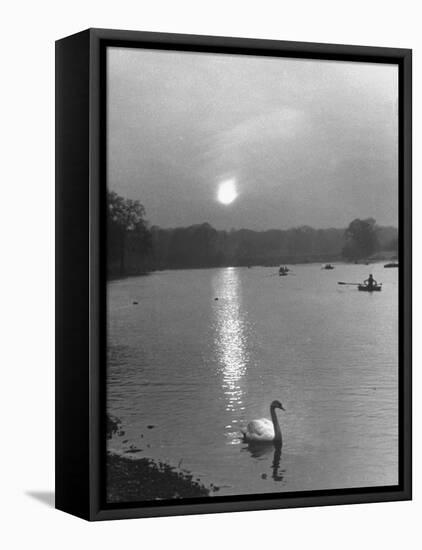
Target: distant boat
{"points": [[392, 264], [283, 270], [368, 288], [327, 266]]}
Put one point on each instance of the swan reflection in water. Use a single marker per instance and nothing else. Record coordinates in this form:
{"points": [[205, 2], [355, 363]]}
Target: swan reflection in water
{"points": [[262, 435], [262, 451]]}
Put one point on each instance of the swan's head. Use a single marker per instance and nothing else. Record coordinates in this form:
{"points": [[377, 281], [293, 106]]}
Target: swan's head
{"points": [[277, 405]]}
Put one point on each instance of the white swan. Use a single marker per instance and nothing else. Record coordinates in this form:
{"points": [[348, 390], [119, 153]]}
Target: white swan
{"points": [[264, 430]]}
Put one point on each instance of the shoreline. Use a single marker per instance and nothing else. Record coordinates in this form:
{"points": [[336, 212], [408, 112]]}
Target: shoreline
{"points": [[142, 479], [372, 261], [133, 479]]}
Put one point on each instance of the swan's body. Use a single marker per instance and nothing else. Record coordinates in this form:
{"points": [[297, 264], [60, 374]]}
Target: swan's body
{"points": [[261, 429], [264, 430]]}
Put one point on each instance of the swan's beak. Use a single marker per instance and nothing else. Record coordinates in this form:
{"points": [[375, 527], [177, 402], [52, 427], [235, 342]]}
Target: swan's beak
{"points": [[282, 408]]}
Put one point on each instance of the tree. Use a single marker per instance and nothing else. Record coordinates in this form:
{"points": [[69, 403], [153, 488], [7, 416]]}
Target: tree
{"points": [[193, 246], [301, 241], [128, 230], [361, 239], [393, 245]]}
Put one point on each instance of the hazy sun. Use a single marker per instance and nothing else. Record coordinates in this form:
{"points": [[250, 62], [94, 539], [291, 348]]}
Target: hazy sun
{"points": [[227, 191]]}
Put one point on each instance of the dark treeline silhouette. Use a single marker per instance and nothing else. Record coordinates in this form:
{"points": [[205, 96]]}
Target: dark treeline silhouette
{"points": [[134, 247], [128, 237], [361, 240], [204, 246]]}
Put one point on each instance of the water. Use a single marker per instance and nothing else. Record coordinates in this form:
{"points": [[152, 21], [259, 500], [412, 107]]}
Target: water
{"points": [[196, 370]]}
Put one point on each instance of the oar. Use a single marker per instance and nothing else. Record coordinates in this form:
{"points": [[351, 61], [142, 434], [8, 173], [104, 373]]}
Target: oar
{"points": [[355, 284]]}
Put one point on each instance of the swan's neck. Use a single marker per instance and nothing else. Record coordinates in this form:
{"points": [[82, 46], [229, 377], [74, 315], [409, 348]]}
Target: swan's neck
{"points": [[277, 430]]}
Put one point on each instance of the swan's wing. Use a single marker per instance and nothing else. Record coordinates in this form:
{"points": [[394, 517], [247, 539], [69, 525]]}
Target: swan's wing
{"points": [[262, 428]]}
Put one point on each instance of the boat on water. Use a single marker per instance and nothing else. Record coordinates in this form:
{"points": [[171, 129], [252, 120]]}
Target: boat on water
{"points": [[369, 285], [283, 270], [392, 264], [370, 288], [327, 266]]}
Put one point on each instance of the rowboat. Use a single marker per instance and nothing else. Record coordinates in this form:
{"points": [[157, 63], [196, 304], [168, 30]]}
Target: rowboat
{"points": [[392, 264], [367, 288]]}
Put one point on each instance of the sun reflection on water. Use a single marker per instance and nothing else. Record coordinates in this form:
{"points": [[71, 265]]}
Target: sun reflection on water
{"points": [[230, 342]]}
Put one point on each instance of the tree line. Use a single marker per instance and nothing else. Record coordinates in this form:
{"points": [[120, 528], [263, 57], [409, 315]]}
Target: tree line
{"points": [[135, 247]]}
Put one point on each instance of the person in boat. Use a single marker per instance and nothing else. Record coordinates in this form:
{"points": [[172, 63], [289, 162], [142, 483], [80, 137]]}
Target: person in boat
{"points": [[370, 282]]}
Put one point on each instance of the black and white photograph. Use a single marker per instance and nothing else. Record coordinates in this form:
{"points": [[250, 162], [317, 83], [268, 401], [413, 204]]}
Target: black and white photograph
{"points": [[252, 240], [210, 238]]}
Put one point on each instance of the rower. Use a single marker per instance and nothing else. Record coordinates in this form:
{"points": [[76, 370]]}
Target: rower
{"points": [[370, 282]]}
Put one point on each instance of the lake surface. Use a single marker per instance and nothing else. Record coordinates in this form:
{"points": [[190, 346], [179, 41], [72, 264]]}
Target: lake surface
{"points": [[186, 372]]}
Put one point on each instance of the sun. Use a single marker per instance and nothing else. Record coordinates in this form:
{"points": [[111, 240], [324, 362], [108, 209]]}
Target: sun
{"points": [[227, 192]]}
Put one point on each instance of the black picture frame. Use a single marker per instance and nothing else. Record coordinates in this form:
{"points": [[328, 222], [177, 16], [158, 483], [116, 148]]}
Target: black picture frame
{"points": [[81, 274]]}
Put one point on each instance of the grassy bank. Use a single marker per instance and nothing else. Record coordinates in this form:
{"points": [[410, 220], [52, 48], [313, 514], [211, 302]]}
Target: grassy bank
{"points": [[130, 480], [140, 479]]}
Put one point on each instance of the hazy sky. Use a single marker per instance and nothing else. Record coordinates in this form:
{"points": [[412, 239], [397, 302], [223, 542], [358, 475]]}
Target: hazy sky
{"points": [[302, 142]]}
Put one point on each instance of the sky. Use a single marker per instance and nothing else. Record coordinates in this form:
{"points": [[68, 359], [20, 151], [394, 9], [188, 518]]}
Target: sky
{"points": [[252, 142]]}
